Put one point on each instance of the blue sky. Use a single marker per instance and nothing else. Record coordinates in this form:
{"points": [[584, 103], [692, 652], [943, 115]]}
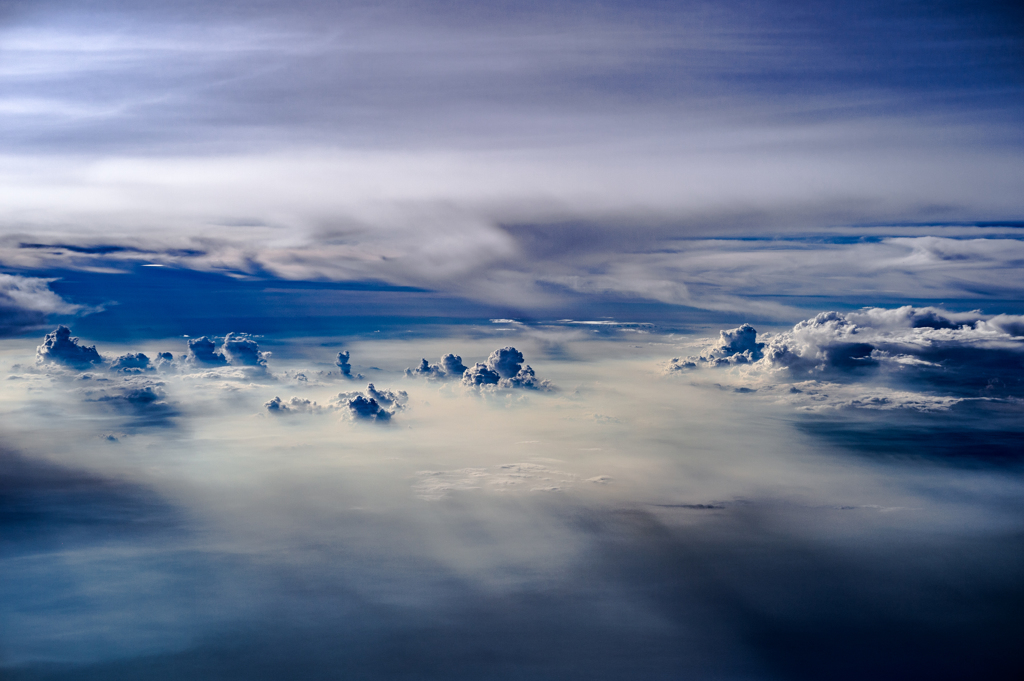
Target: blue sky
{"points": [[560, 340]]}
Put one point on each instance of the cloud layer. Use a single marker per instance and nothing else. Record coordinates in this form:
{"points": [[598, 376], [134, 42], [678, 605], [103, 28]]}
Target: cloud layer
{"points": [[523, 156]]}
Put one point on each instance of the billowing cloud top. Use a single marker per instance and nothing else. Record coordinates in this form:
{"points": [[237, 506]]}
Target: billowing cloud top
{"points": [[505, 369], [450, 366], [373, 404], [957, 354], [58, 346], [502, 369], [238, 349], [132, 362], [241, 350], [203, 351]]}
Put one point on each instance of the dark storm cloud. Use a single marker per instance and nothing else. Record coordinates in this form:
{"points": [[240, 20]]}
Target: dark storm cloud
{"points": [[60, 347]]}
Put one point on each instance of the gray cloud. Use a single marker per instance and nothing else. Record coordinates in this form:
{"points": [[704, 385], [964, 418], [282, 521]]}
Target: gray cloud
{"points": [[735, 346], [343, 363], [136, 395], [143, 403], [60, 347]]}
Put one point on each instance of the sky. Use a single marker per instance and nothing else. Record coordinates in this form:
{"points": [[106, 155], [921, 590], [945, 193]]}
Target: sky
{"points": [[487, 340]]}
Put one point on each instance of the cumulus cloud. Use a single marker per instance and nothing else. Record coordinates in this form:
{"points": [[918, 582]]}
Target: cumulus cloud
{"points": [[953, 354], [369, 409], [242, 350], [373, 404], [203, 351], [735, 346], [237, 350], [61, 348], [132, 363], [480, 375], [504, 369], [343, 363], [450, 366], [294, 405], [344, 367], [387, 397]]}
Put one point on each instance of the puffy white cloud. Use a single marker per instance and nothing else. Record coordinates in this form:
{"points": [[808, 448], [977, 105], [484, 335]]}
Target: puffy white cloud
{"points": [[450, 366], [132, 362], [906, 350], [237, 350], [60, 347], [241, 350], [504, 370]]}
